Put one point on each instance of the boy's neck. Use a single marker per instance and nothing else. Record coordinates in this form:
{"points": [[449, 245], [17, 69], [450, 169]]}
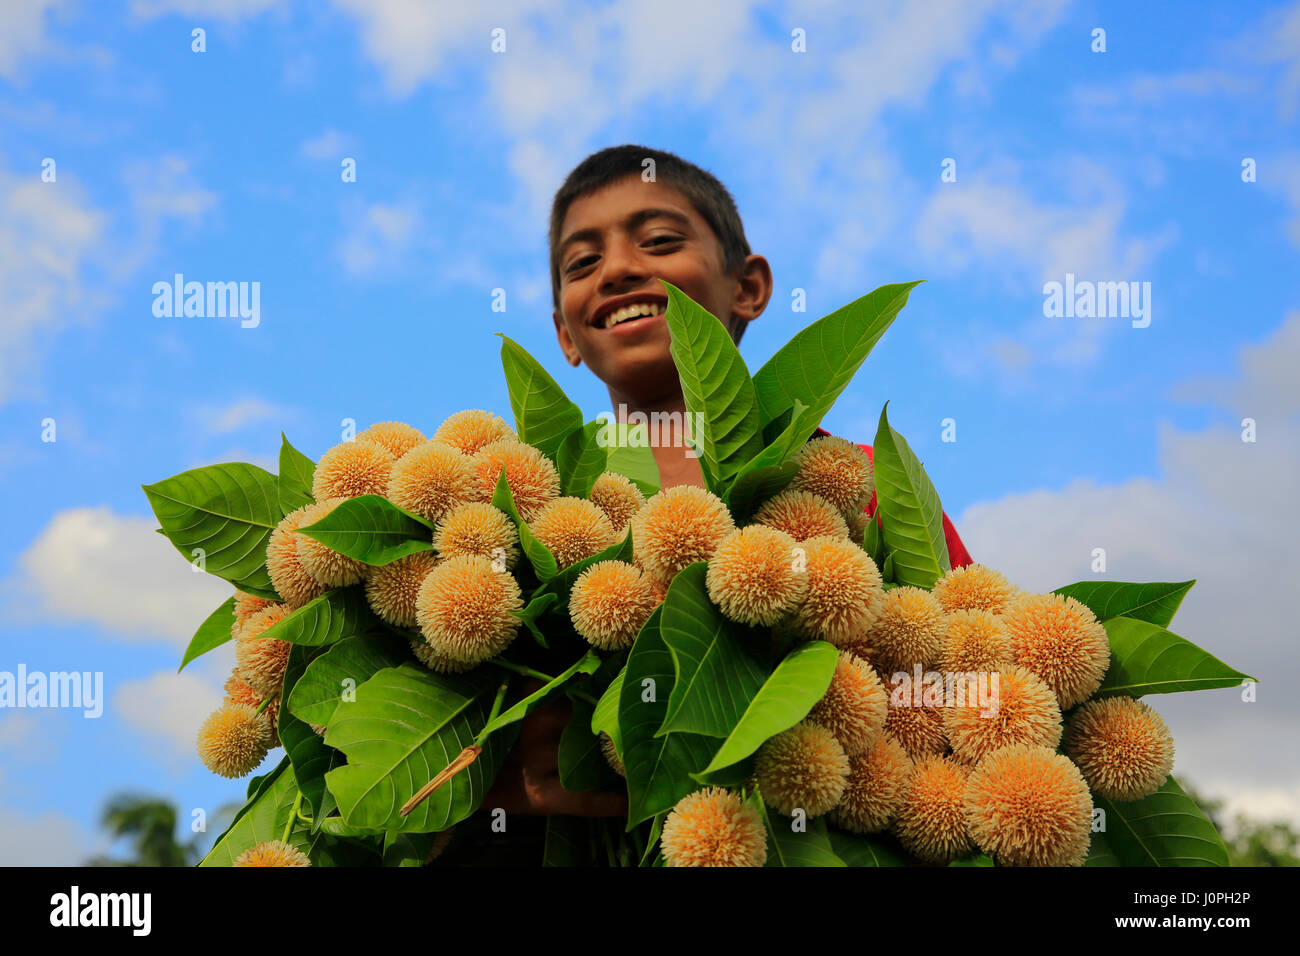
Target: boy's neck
{"points": [[667, 444]]}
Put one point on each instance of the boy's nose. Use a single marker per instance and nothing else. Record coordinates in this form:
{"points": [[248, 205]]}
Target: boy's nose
{"points": [[621, 266]]}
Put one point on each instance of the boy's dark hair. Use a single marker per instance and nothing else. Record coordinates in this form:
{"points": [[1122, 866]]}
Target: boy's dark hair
{"points": [[704, 191]]}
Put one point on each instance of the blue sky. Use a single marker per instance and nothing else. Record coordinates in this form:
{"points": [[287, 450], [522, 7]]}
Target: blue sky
{"points": [[1072, 434]]}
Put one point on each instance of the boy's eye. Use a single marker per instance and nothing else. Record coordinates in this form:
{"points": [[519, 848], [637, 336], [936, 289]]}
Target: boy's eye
{"points": [[580, 262], [658, 239]]}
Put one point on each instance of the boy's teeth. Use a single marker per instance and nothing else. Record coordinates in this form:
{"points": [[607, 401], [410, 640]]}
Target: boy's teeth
{"points": [[631, 312]]}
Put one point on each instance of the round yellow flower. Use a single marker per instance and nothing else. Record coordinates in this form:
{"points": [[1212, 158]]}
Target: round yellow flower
{"points": [[803, 768], [837, 470], [464, 609], [931, 820], [398, 438], [973, 588], [610, 602], [908, 630], [753, 576], [261, 660], [679, 526], [844, 592], [802, 515], [532, 477], [975, 641], [1061, 641], [234, 740], [352, 468], [1022, 710], [272, 853], [1122, 746], [854, 706], [472, 429], [431, 480], [573, 529], [877, 778], [618, 497], [918, 729], [288, 576], [478, 528], [391, 589], [246, 605], [713, 827]]}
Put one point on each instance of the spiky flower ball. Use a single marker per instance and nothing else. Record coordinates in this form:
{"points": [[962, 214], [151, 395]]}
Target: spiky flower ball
{"points": [[1060, 640], [877, 777], [908, 630], [391, 588], [464, 609], [573, 529], [610, 753], [432, 479], [272, 853], [234, 740], [472, 429], [398, 438], [478, 528], [974, 588], [854, 706], [918, 729], [532, 477], [618, 497], [1122, 746], [246, 605], [610, 602], [438, 663], [1020, 709], [237, 691], [324, 564], [836, 469], [857, 525], [802, 515], [802, 768], [931, 821], [288, 576], [753, 576], [1028, 806], [679, 526], [975, 641], [714, 827], [844, 592], [261, 660], [352, 468]]}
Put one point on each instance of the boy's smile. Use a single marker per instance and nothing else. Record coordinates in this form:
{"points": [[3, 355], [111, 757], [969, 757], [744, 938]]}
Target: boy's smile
{"points": [[615, 245]]}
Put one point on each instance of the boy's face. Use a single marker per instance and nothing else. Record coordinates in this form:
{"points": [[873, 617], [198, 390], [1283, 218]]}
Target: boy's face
{"points": [[614, 246]]}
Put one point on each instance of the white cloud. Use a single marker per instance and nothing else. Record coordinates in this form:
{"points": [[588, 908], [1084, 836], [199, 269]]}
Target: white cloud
{"points": [[45, 839], [168, 709], [379, 238], [22, 32], [329, 144], [1276, 41], [221, 420], [1216, 514], [116, 572], [229, 10]]}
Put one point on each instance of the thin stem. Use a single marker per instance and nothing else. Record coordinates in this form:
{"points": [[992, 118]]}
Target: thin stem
{"points": [[521, 670], [304, 818], [264, 704], [496, 704], [288, 827]]}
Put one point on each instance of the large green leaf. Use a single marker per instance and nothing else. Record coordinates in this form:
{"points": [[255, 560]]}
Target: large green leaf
{"points": [[604, 718], [372, 530], [658, 768], [586, 664], [212, 633], [336, 614], [225, 512], [768, 472], [310, 757], [405, 726], [817, 364], [262, 818], [911, 514], [294, 480], [858, 850], [715, 676], [1164, 829], [342, 668], [629, 454], [582, 765], [717, 389], [544, 416], [1147, 659], [1156, 602], [786, 847], [539, 556], [581, 459], [785, 698]]}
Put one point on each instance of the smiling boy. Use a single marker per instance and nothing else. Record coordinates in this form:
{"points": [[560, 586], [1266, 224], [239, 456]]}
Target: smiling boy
{"points": [[614, 232]]}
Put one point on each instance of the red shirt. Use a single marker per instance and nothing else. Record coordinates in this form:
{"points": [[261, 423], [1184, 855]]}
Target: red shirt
{"points": [[958, 556]]}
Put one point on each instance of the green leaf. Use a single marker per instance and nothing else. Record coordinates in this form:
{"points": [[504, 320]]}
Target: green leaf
{"points": [[873, 541], [658, 768], [318, 691], [1156, 602], [715, 677], [581, 459], [582, 765], [910, 511], [817, 364], [1147, 659], [372, 530], [604, 719], [973, 859], [533, 610], [539, 556], [652, 840], [262, 818], [716, 386], [858, 850], [407, 849], [308, 754], [785, 847], [629, 454], [544, 416], [212, 633], [785, 698], [294, 481], [336, 614], [228, 511], [406, 725], [768, 472], [1164, 829], [586, 664]]}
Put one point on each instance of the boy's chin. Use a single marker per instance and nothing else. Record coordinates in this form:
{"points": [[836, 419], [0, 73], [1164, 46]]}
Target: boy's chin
{"points": [[643, 375]]}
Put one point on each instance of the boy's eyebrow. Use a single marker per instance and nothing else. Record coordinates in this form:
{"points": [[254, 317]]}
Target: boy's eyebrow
{"points": [[630, 223]]}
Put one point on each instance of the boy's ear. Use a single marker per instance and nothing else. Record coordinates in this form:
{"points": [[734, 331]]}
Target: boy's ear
{"points": [[566, 341]]}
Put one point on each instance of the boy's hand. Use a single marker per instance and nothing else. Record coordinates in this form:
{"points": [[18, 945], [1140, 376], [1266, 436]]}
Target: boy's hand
{"points": [[529, 780]]}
